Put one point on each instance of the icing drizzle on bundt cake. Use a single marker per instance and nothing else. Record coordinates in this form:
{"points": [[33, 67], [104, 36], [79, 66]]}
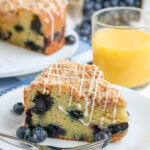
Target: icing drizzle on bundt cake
{"points": [[48, 6], [87, 80]]}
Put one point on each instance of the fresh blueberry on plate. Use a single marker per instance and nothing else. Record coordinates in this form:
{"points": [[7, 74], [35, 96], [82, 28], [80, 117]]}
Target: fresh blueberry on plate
{"points": [[31, 137], [40, 133], [70, 39], [18, 108], [22, 132]]}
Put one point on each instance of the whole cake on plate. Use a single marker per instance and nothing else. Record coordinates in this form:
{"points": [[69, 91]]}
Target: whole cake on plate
{"points": [[38, 25], [73, 101]]}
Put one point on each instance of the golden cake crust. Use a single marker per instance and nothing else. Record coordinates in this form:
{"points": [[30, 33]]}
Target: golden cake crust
{"points": [[52, 12], [85, 83], [71, 75]]}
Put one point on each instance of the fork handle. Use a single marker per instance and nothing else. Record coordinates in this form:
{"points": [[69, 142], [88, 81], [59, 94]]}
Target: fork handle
{"points": [[26, 145], [17, 143]]}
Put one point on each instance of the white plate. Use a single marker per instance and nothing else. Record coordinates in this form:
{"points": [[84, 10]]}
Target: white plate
{"points": [[16, 61], [139, 130]]}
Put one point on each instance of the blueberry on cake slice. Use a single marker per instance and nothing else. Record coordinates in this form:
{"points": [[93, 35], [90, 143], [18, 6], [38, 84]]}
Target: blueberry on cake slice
{"points": [[73, 101], [38, 25]]}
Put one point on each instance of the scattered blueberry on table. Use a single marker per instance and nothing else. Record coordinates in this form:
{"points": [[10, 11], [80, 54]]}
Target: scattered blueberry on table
{"points": [[18, 108], [70, 39], [91, 6]]}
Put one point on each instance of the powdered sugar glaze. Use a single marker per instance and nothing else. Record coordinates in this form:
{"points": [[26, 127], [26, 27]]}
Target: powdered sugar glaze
{"points": [[50, 7], [94, 87]]}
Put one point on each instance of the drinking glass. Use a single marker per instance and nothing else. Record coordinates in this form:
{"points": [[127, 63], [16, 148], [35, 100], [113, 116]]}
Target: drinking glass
{"points": [[121, 45]]}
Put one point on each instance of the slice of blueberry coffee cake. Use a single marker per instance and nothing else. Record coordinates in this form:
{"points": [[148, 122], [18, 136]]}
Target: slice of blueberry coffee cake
{"points": [[38, 25], [72, 101]]}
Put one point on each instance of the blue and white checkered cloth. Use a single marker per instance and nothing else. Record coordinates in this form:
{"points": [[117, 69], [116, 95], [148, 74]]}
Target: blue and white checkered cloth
{"points": [[8, 84]]}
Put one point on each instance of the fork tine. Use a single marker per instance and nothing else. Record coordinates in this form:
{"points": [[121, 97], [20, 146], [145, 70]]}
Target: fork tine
{"points": [[91, 146]]}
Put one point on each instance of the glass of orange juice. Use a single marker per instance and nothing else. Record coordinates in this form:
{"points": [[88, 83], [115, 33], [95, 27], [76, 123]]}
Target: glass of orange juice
{"points": [[121, 45]]}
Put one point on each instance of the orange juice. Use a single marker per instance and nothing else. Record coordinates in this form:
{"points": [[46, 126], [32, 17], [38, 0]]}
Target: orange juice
{"points": [[123, 55]]}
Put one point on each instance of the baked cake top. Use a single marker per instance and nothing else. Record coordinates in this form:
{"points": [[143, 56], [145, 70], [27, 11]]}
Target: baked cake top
{"points": [[10, 6], [86, 81]]}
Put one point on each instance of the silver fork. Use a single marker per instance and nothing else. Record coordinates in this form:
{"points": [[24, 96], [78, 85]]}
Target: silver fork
{"points": [[25, 145]]}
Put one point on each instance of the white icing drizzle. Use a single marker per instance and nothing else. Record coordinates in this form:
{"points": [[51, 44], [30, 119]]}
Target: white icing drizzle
{"points": [[41, 7], [95, 94], [59, 3], [58, 78], [51, 17], [10, 3], [94, 83], [115, 109], [52, 6], [106, 97], [89, 91], [82, 121], [50, 69], [101, 121], [61, 108], [60, 6], [70, 101], [93, 79], [79, 106], [82, 80], [75, 68]]}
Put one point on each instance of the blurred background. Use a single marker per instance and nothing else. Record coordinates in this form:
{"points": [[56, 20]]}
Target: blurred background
{"points": [[80, 12]]}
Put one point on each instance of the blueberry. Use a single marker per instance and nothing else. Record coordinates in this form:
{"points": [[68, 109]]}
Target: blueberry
{"points": [[22, 131], [55, 131], [122, 4], [102, 135], [97, 6], [18, 28], [36, 24], [85, 32], [28, 119], [95, 129], [106, 4], [43, 102], [131, 2], [31, 137], [41, 134], [89, 13], [18, 108], [70, 39], [87, 19], [115, 3], [88, 6], [138, 4], [115, 129], [32, 45], [56, 35], [46, 43], [75, 114]]}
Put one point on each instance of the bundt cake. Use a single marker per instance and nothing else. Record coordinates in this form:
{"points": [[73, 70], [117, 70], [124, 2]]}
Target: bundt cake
{"points": [[38, 25], [72, 101]]}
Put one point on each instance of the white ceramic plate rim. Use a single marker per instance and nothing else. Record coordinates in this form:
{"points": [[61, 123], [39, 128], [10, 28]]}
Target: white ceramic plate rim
{"points": [[40, 61], [139, 108]]}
